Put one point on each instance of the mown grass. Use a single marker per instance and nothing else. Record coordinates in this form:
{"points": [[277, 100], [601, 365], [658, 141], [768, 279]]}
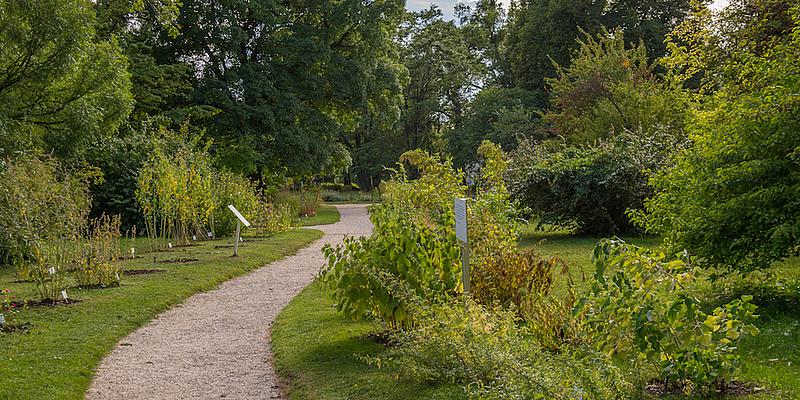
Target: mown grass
{"points": [[56, 357], [326, 215], [317, 350]]}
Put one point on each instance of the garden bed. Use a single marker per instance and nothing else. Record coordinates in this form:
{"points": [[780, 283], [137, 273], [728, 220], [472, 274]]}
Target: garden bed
{"points": [[57, 357]]}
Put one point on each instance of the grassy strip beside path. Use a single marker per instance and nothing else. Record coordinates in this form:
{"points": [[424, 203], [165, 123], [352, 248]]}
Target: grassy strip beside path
{"points": [[56, 358], [315, 350], [326, 215]]}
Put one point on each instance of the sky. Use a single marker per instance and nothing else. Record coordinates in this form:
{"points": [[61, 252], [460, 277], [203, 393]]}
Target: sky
{"points": [[447, 5]]}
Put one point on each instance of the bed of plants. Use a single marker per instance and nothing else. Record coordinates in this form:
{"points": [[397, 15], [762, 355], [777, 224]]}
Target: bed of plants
{"points": [[642, 322], [55, 352]]}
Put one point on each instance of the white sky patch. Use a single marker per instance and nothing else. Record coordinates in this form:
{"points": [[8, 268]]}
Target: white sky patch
{"points": [[447, 5]]}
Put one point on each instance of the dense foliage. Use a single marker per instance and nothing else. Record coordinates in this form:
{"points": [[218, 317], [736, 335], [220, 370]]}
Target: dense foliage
{"points": [[61, 88], [589, 187], [732, 196], [657, 318], [40, 203]]}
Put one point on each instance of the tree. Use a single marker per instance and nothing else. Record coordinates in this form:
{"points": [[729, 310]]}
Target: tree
{"points": [[60, 87], [541, 32], [609, 88], [443, 72], [733, 197], [288, 79], [499, 115]]}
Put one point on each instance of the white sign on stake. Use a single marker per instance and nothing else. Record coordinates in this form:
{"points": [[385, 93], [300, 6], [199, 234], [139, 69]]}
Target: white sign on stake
{"points": [[238, 215], [64, 295], [2, 319], [133, 252], [169, 244], [52, 270], [461, 219]]}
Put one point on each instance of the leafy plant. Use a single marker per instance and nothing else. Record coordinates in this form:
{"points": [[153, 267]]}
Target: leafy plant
{"points": [[231, 188], [40, 203], [174, 187], [588, 187], [642, 307], [99, 251], [273, 218], [494, 356], [732, 197], [414, 238], [49, 267]]}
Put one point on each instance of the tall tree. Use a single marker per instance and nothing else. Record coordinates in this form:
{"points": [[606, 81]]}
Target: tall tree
{"points": [[288, 78], [61, 88], [541, 32]]}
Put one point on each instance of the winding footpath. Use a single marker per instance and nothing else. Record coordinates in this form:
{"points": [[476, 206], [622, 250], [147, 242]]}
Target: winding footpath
{"points": [[216, 344]]}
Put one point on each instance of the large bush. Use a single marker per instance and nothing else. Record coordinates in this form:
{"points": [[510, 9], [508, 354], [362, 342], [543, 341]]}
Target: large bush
{"points": [[590, 187], [643, 307], [40, 202], [733, 197], [414, 239]]}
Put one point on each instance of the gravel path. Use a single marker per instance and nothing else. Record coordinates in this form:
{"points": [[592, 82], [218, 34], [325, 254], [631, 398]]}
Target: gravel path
{"points": [[216, 344]]}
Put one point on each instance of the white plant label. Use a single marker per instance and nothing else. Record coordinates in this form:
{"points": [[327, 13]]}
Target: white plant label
{"points": [[64, 295], [52, 270], [170, 245], [194, 237], [133, 252], [2, 319], [238, 215], [461, 219], [116, 274], [210, 234], [241, 240]]}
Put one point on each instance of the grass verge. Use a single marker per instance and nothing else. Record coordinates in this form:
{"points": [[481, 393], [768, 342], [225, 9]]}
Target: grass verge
{"points": [[56, 357], [326, 215], [315, 351]]}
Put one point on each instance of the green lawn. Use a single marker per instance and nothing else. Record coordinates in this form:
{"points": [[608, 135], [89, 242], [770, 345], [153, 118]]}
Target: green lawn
{"points": [[316, 349], [56, 358], [326, 215]]}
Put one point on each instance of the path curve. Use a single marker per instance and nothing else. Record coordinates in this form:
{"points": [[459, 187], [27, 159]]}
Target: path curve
{"points": [[216, 344]]}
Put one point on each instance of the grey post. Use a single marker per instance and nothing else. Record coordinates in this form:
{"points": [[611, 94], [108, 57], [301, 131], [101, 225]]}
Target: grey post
{"points": [[236, 239], [460, 205]]}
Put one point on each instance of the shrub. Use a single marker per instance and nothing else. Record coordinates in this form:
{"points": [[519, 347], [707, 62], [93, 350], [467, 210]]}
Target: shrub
{"points": [[493, 356], [414, 238], [588, 187], [642, 307], [231, 188], [309, 202], [733, 197], [290, 200], [273, 218], [49, 267], [40, 202], [99, 252], [174, 187], [509, 277]]}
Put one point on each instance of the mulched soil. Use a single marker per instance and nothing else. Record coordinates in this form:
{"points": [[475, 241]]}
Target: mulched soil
{"points": [[177, 260], [733, 389], [44, 303], [18, 328], [131, 272]]}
